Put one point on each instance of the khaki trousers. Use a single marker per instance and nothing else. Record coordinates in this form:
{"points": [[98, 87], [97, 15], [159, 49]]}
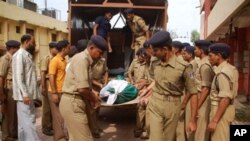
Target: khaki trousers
{"points": [[180, 130], [46, 115], [222, 131], [73, 111], [164, 112], [9, 123], [92, 118], [57, 120], [142, 119], [190, 137], [201, 133]]}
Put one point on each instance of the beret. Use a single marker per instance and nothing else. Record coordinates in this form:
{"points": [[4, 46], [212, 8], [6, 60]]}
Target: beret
{"points": [[160, 39], [129, 11], [99, 42], [82, 45], [186, 44], [220, 48], [146, 45], [12, 43], [52, 44], [189, 49], [203, 44], [177, 44]]}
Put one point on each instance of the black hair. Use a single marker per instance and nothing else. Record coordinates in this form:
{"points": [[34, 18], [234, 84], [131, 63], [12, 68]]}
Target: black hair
{"points": [[26, 37], [62, 44]]}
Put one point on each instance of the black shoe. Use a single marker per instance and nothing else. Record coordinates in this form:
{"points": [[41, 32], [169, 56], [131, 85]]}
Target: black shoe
{"points": [[137, 134], [97, 135], [48, 132]]}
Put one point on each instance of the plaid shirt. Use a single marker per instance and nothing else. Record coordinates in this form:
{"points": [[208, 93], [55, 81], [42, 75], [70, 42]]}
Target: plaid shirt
{"points": [[24, 76]]}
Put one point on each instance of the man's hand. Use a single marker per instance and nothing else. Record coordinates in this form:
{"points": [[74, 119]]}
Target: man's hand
{"points": [[44, 92], [191, 127], [212, 126], [27, 100], [55, 98], [141, 83]]}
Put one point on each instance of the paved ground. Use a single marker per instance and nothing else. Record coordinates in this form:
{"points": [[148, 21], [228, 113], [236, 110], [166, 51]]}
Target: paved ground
{"points": [[117, 124]]}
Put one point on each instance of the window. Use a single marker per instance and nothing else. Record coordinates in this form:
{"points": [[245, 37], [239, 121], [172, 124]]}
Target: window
{"points": [[30, 31], [53, 37], [18, 29]]}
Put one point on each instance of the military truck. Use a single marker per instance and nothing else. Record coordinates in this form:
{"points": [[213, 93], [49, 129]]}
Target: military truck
{"points": [[82, 14]]}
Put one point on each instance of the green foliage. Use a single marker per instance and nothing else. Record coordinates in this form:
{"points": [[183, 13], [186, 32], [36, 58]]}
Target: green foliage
{"points": [[195, 35]]}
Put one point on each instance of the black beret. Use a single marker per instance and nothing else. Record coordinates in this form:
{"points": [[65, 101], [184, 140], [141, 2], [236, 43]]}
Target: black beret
{"points": [[203, 44], [222, 48], [12, 43], [160, 39], [146, 45], [189, 49], [82, 45], [186, 44], [129, 11], [177, 44], [52, 44], [99, 42]]}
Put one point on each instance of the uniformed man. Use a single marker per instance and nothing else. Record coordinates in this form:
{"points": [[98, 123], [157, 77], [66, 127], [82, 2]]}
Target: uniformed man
{"points": [[171, 76], [102, 27], [57, 67], [136, 69], [47, 128], [223, 92], [100, 79], [204, 76], [9, 123], [140, 31], [177, 48], [77, 89], [188, 56]]}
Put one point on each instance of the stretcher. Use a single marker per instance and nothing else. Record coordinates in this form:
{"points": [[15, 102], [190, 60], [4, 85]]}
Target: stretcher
{"points": [[132, 102]]}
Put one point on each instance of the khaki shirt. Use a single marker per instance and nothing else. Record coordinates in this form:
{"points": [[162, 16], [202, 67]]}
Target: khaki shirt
{"points": [[204, 74], [225, 82], [138, 26], [194, 65], [137, 69], [99, 69], [79, 73], [45, 64], [171, 78], [149, 74], [6, 69]]}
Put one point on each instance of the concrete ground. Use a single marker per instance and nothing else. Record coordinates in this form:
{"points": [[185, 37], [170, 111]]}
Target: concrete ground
{"points": [[117, 124]]}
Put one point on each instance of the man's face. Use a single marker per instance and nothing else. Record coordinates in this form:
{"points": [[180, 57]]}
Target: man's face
{"points": [[160, 53], [197, 51], [186, 56], [213, 59], [130, 17], [66, 50], [96, 53], [31, 45], [53, 51], [108, 16]]}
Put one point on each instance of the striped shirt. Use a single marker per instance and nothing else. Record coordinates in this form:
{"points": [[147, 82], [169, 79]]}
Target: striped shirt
{"points": [[24, 76]]}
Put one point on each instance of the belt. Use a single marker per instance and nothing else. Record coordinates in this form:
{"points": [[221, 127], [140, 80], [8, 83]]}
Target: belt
{"points": [[76, 96], [170, 98]]}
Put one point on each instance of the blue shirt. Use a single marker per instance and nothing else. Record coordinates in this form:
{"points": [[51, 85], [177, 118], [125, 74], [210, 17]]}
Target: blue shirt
{"points": [[104, 26]]}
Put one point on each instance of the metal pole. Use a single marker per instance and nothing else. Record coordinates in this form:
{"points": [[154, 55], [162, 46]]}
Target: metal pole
{"points": [[46, 10]]}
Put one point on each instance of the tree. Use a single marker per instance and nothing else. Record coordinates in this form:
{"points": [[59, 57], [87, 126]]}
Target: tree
{"points": [[195, 35]]}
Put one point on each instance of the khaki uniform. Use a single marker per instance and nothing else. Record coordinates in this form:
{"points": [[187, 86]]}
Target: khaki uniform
{"points": [[165, 104], [225, 84], [137, 69], [188, 107], [9, 123], [98, 72], [72, 106], [138, 28], [46, 115], [204, 77]]}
